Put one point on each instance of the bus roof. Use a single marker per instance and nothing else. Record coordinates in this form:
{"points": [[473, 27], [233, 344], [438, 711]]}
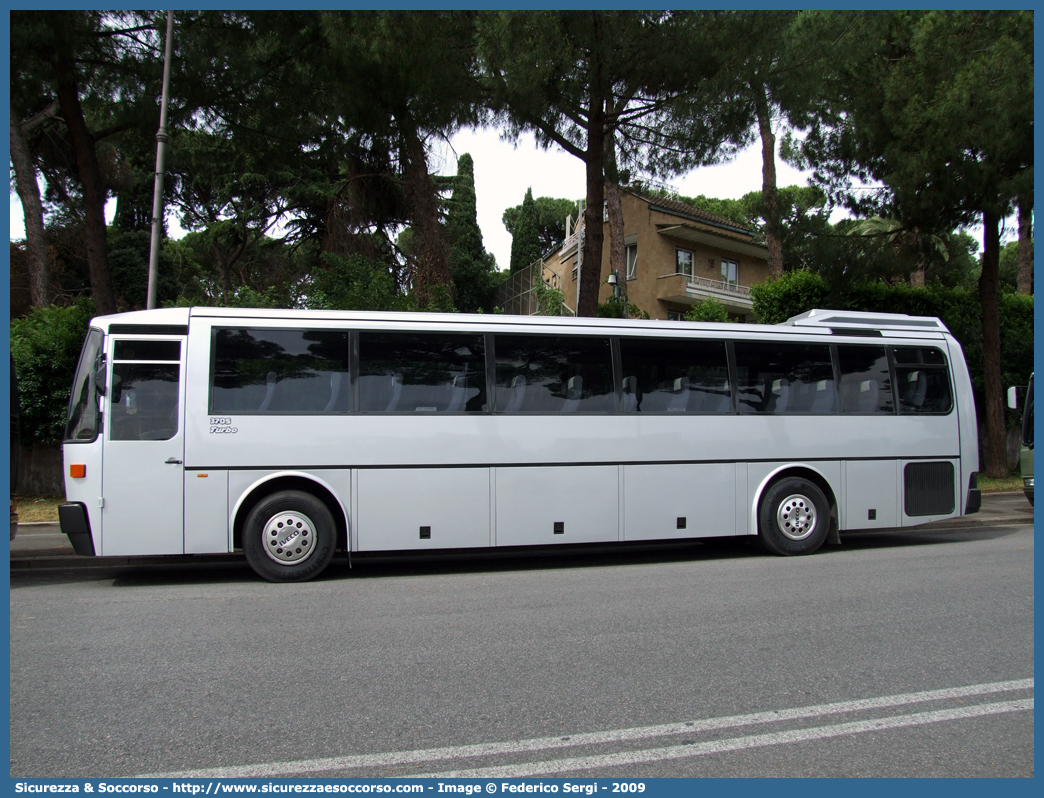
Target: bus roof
{"points": [[819, 321], [858, 319]]}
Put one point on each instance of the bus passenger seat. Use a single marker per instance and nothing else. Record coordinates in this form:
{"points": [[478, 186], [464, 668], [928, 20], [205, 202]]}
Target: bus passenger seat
{"points": [[781, 395], [680, 400], [460, 393], [867, 396], [518, 392], [823, 401], [270, 385], [335, 391], [574, 390], [396, 391], [920, 390], [630, 394], [717, 400]]}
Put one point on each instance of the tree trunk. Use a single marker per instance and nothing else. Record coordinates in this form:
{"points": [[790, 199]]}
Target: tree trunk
{"points": [[1024, 254], [224, 274], [591, 268], [994, 462], [432, 257], [93, 191], [32, 211], [768, 182], [917, 276], [615, 208]]}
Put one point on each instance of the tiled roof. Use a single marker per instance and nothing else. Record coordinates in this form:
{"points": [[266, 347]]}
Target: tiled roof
{"points": [[690, 211]]}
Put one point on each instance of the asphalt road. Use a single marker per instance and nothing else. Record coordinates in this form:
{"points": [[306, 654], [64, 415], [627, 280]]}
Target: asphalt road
{"points": [[627, 663]]}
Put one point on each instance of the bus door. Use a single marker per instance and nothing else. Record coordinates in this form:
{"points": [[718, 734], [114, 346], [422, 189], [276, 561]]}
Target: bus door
{"points": [[143, 471]]}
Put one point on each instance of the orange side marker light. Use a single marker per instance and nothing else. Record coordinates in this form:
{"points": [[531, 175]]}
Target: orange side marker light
{"points": [[77, 470]]}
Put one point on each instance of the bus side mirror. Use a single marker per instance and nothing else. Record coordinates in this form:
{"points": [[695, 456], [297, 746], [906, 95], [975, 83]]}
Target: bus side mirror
{"points": [[99, 374], [1012, 403]]}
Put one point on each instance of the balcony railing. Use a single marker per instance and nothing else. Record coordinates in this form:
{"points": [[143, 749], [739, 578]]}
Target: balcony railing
{"points": [[719, 286]]}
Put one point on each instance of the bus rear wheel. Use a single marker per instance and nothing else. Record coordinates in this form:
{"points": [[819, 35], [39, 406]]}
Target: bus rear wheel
{"points": [[289, 536], [793, 517]]}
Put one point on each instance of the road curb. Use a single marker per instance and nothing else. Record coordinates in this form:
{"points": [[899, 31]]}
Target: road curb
{"points": [[50, 560]]}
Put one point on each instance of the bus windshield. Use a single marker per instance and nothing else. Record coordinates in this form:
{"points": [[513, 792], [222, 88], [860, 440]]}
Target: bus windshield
{"points": [[82, 421], [1027, 416]]}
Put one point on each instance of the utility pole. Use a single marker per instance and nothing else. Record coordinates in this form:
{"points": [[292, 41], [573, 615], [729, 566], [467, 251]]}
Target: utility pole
{"points": [[161, 151]]}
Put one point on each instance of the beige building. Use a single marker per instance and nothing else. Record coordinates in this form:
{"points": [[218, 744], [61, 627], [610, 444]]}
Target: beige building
{"points": [[676, 256]]}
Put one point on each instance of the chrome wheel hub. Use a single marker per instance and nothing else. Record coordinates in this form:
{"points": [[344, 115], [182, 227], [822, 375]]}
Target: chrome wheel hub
{"points": [[796, 517], [289, 538]]}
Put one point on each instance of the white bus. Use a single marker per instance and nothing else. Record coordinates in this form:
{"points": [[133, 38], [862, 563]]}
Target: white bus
{"points": [[289, 435]]}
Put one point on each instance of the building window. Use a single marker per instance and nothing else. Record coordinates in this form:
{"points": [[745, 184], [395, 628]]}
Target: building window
{"points": [[674, 315], [684, 262], [631, 257], [730, 272]]}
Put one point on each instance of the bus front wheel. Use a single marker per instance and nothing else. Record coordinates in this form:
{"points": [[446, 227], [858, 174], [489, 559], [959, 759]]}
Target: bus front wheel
{"points": [[289, 536], [793, 517]]}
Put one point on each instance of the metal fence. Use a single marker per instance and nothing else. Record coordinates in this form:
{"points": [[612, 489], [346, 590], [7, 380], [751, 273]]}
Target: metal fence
{"points": [[516, 295]]}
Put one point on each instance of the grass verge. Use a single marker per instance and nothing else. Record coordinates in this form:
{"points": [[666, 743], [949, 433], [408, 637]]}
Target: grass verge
{"points": [[38, 508], [1006, 485]]}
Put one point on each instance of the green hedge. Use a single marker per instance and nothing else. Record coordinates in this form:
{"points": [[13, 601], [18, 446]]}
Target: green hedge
{"points": [[799, 291], [46, 345]]}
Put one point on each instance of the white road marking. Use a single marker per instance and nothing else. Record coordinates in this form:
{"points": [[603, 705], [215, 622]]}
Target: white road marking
{"points": [[618, 735], [734, 744]]}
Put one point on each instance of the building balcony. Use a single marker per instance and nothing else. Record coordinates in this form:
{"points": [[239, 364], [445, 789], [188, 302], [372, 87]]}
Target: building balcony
{"points": [[687, 290]]}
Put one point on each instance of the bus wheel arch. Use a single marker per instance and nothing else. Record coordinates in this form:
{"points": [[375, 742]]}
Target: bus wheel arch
{"points": [[796, 512], [289, 482]]}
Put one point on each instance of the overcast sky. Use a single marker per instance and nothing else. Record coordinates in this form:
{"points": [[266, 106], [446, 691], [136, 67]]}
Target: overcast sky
{"points": [[503, 172]]}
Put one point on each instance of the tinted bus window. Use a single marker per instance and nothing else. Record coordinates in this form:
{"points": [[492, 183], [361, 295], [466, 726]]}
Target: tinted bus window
{"points": [[866, 382], [280, 371], [421, 373], [923, 381], [147, 350], [675, 376], [144, 403], [784, 378], [554, 374]]}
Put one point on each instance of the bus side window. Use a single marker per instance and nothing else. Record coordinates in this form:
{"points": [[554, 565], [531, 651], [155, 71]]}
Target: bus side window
{"points": [[866, 383], [784, 378], [675, 375], [279, 371], [554, 374], [401, 372], [923, 380]]}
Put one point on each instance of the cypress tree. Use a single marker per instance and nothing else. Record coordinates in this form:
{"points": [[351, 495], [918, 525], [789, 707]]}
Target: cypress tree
{"points": [[471, 266], [525, 238]]}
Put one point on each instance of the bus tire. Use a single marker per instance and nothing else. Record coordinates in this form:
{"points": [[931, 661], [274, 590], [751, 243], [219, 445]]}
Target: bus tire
{"points": [[289, 536], [793, 517]]}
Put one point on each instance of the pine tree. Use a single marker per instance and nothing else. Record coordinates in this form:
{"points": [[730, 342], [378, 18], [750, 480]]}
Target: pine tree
{"points": [[525, 238]]}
